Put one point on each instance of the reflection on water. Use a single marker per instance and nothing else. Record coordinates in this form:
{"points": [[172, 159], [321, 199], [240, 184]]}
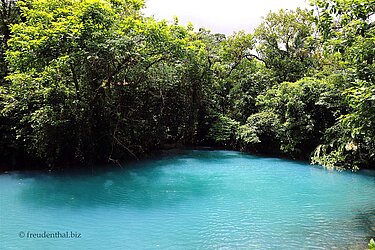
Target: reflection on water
{"points": [[192, 200], [140, 188]]}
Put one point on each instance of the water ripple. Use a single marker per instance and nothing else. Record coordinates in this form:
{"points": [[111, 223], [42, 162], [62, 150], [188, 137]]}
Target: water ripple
{"points": [[196, 200]]}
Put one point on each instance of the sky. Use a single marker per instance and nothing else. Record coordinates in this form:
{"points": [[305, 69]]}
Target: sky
{"points": [[220, 16]]}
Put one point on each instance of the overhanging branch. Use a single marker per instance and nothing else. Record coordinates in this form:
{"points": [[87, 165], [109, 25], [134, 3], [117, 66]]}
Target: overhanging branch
{"points": [[251, 56]]}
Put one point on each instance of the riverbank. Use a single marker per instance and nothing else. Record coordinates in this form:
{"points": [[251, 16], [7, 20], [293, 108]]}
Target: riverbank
{"points": [[22, 162], [167, 150]]}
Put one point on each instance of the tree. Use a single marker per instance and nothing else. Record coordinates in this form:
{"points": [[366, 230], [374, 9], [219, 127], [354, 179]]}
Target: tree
{"points": [[348, 30], [291, 116], [63, 60], [286, 45], [94, 80], [9, 14]]}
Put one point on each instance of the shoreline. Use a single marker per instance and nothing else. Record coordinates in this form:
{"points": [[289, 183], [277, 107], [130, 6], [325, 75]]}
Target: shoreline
{"points": [[168, 149]]}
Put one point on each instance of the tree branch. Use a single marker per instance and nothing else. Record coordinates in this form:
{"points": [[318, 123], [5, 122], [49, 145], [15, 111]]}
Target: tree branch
{"points": [[251, 56]]}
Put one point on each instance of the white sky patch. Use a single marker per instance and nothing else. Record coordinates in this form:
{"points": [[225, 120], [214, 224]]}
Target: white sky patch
{"points": [[219, 16]]}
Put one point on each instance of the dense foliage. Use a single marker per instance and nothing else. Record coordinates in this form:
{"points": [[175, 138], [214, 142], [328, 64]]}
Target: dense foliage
{"points": [[96, 81], [348, 31]]}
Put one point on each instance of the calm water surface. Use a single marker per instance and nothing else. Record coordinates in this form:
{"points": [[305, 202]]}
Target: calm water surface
{"points": [[194, 200]]}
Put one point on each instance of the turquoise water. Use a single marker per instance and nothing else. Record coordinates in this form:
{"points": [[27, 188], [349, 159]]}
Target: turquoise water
{"points": [[193, 200]]}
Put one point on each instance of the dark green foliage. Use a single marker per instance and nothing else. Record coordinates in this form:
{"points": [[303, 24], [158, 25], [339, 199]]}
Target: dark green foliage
{"points": [[348, 33], [91, 82], [350, 142], [260, 133], [223, 130], [286, 44], [95, 81], [291, 113], [9, 14]]}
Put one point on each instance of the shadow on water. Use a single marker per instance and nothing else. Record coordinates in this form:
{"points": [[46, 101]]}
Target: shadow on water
{"points": [[142, 186], [211, 156]]}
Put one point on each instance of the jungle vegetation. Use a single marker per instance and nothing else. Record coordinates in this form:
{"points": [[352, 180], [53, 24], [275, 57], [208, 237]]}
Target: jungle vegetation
{"points": [[95, 81]]}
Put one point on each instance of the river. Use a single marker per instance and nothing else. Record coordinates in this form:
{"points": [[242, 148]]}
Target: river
{"points": [[192, 200]]}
